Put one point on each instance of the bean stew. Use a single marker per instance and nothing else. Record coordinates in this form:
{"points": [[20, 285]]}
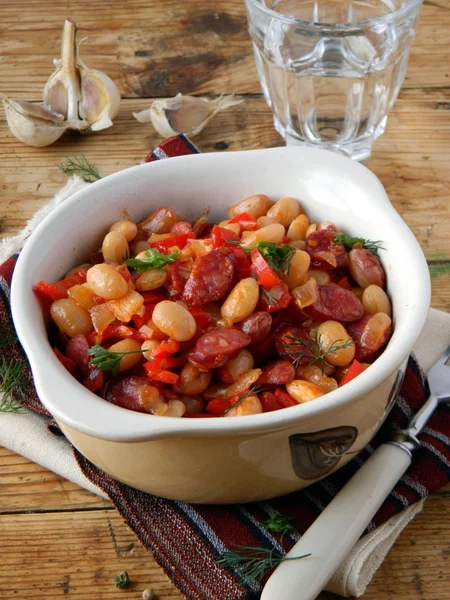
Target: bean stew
{"points": [[260, 312]]}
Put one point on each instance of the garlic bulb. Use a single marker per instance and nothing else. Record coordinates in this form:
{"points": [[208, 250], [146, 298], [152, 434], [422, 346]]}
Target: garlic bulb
{"points": [[33, 124], [184, 114], [87, 98]]}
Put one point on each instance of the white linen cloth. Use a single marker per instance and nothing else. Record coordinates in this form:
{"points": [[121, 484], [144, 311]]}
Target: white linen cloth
{"points": [[26, 434]]}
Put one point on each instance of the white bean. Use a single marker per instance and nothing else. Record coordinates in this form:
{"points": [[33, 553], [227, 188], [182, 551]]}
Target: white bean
{"points": [[298, 269], [192, 381], [174, 320], [332, 333], [298, 228], [129, 360], [374, 300], [150, 280], [115, 247], [106, 282], [241, 301], [284, 211], [256, 205], [303, 391], [270, 233], [71, 318], [127, 228]]}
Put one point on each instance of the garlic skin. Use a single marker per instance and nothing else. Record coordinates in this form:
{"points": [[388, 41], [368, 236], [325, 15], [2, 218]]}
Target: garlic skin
{"points": [[184, 114], [87, 98], [33, 124]]}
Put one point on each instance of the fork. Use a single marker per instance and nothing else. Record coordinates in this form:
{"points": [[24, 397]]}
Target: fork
{"points": [[340, 525]]}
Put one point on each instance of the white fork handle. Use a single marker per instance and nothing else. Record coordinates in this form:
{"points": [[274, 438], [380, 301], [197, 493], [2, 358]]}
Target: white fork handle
{"points": [[334, 533]]}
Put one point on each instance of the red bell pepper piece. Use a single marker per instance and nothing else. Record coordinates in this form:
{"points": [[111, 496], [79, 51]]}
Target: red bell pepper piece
{"points": [[121, 331], [218, 406], [166, 348], [58, 290], [153, 297], [246, 221], [173, 240], [201, 317], [123, 270], [345, 283], [355, 370], [140, 321], [65, 360], [265, 274], [244, 268], [162, 375], [220, 236], [276, 298], [284, 398]]}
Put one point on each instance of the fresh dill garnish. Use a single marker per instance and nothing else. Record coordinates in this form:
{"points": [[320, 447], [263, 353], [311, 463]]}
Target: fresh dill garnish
{"points": [[155, 260], [80, 165], [106, 360], [297, 349], [12, 382], [254, 562], [278, 257], [279, 524], [267, 296], [349, 242], [255, 389]]}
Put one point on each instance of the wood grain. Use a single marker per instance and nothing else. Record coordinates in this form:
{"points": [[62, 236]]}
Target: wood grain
{"points": [[55, 538], [154, 48], [83, 550]]}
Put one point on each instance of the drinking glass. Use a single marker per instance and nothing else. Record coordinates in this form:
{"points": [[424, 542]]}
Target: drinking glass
{"points": [[331, 69]]}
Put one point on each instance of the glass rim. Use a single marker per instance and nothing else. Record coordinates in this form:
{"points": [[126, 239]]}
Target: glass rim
{"points": [[260, 5]]}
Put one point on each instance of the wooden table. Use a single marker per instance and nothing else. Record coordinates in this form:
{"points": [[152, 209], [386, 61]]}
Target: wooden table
{"points": [[55, 538]]}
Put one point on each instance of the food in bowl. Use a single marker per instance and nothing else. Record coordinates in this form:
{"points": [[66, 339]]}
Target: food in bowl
{"points": [[260, 312]]}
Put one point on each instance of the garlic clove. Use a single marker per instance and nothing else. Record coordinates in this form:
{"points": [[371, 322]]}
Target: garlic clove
{"points": [[33, 124], [86, 97], [100, 98], [184, 114], [62, 92]]}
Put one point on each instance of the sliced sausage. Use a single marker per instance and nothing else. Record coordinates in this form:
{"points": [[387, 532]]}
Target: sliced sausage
{"points": [[87, 374], [366, 269], [132, 392], [160, 221], [295, 344], [257, 326], [277, 372], [370, 334], [324, 252], [181, 227], [335, 303], [211, 278], [217, 346]]}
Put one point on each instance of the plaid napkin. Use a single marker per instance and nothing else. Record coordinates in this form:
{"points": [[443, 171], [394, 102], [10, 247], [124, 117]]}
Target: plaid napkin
{"points": [[187, 539]]}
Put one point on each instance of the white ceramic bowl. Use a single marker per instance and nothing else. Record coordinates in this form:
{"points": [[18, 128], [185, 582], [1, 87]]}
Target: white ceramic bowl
{"points": [[246, 458]]}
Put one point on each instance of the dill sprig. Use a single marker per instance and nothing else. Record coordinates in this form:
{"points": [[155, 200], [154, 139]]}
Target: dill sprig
{"points": [[278, 257], [155, 260], [254, 562], [347, 241], [279, 524], [80, 165], [255, 389], [267, 296], [297, 349], [107, 360], [12, 382]]}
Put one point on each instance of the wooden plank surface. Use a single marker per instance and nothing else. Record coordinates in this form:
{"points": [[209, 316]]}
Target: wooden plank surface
{"points": [[55, 538]]}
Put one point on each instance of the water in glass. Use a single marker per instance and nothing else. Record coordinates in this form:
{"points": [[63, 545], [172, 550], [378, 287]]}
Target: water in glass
{"points": [[331, 69]]}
